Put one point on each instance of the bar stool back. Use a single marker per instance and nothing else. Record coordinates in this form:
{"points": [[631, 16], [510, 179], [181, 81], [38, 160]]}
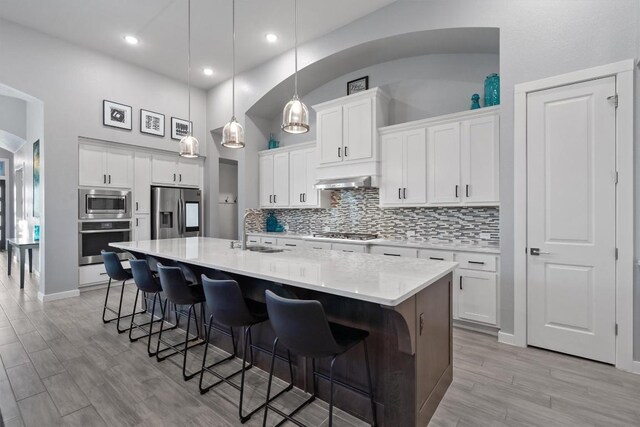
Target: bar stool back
{"points": [[302, 327], [115, 271]]}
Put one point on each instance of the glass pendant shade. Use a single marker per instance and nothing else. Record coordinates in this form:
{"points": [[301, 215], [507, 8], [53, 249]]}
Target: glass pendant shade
{"points": [[233, 134], [189, 147], [295, 116]]}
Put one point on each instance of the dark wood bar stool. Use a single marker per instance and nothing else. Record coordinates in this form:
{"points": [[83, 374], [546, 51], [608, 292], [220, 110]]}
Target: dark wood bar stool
{"points": [[303, 328], [179, 292], [147, 283], [228, 307], [115, 271]]}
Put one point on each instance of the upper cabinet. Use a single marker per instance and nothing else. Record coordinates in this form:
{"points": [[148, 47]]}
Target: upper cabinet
{"points": [[347, 134], [451, 160], [142, 183], [101, 166], [174, 170], [287, 178]]}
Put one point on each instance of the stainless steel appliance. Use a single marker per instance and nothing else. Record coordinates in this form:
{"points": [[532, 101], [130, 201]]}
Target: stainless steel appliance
{"points": [[175, 212], [337, 184], [104, 204], [346, 236], [94, 236]]}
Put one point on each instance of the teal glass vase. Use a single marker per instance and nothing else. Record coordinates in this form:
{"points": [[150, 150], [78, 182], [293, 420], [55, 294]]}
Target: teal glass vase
{"points": [[272, 222], [492, 90], [475, 101]]}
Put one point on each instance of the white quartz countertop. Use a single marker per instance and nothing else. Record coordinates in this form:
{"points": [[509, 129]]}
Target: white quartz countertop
{"points": [[374, 278], [417, 244]]}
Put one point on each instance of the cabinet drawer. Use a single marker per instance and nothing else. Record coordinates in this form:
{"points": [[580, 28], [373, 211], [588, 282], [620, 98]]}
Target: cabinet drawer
{"points": [[435, 255], [317, 245], [348, 247], [292, 243], [268, 240], [94, 274], [476, 261], [254, 240], [391, 251]]}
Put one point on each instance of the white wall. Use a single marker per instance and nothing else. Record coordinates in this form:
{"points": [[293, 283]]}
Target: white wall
{"points": [[13, 116], [6, 154], [420, 87], [72, 82], [228, 192], [538, 38]]}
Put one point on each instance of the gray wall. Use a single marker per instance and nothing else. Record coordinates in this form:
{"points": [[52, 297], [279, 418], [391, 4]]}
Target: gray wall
{"points": [[228, 210], [13, 117], [6, 154], [77, 80], [538, 38], [420, 87]]}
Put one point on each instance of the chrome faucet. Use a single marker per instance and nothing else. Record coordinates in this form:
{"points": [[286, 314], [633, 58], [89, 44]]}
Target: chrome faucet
{"points": [[244, 229]]}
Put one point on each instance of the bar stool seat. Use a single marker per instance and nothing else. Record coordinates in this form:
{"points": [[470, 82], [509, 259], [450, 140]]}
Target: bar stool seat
{"points": [[228, 307], [303, 328]]}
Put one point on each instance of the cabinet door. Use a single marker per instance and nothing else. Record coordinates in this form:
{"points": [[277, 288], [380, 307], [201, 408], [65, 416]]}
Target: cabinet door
{"points": [[163, 170], [281, 179], [297, 177], [477, 295], [392, 170], [329, 123], [142, 183], [310, 193], [480, 157], [189, 173], [266, 181], [92, 163], [443, 164], [119, 168], [415, 167], [357, 131], [142, 227]]}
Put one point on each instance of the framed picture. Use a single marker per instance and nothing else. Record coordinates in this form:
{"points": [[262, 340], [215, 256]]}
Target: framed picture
{"points": [[179, 128], [116, 115], [151, 123], [4, 165], [36, 179], [358, 85]]}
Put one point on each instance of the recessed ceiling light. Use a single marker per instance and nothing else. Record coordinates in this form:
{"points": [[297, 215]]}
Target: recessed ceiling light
{"points": [[271, 38], [131, 39], [208, 72]]}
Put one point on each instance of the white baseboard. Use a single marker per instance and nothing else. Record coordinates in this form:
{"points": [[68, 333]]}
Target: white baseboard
{"points": [[60, 295], [636, 367], [506, 338]]}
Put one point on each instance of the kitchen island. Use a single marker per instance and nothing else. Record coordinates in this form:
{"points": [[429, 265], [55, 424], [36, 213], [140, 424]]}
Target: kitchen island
{"points": [[404, 303]]}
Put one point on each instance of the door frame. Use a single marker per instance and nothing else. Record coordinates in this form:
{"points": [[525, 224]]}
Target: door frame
{"points": [[624, 73]]}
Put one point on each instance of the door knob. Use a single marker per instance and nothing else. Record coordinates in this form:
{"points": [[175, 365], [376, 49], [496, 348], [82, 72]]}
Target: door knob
{"points": [[537, 251]]}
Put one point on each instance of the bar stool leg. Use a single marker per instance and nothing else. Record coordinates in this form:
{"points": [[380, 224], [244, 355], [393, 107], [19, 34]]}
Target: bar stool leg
{"points": [[106, 298], [273, 360], [186, 343], [333, 361], [373, 403], [164, 310]]}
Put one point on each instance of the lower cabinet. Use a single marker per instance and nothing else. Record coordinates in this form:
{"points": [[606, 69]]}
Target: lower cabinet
{"points": [[142, 227], [94, 274], [393, 251], [476, 296], [349, 247], [310, 244]]}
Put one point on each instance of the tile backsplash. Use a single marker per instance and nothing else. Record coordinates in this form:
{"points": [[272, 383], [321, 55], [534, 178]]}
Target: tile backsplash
{"points": [[357, 211]]}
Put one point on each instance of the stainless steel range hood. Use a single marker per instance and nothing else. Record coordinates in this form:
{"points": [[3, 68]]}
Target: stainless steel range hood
{"points": [[336, 184]]}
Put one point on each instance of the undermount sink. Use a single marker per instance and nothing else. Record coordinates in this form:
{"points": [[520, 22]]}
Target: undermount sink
{"points": [[264, 249]]}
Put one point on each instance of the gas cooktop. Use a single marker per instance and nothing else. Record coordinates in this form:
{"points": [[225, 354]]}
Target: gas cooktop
{"points": [[349, 236]]}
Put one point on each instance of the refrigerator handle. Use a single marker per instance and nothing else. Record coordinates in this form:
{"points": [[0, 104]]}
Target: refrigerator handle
{"points": [[179, 218]]}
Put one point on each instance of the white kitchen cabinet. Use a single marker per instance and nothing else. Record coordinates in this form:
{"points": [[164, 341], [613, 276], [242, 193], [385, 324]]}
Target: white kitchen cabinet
{"points": [[289, 243], [329, 123], [476, 293], [480, 159], [302, 170], [269, 241], [312, 244], [172, 170], [394, 251], [142, 227], [349, 247], [435, 255], [274, 179], [358, 130], [101, 166], [443, 164], [142, 183], [403, 169]]}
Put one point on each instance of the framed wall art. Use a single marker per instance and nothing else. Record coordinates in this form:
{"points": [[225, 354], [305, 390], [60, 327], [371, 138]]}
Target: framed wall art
{"points": [[116, 115], [151, 123], [179, 128], [358, 85]]}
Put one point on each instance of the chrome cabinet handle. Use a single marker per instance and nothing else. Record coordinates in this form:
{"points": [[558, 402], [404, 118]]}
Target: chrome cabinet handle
{"points": [[399, 193], [346, 153], [467, 190], [387, 254], [436, 258], [180, 175], [274, 198], [404, 193], [339, 148], [290, 244], [104, 179], [137, 222], [109, 179], [456, 190], [174, 177], [460, 282], [136, 206], [476, 262]]}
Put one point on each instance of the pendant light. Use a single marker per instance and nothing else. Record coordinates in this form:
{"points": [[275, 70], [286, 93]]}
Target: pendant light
{"points": [[295, 116], [189, 145], [233, 133]]}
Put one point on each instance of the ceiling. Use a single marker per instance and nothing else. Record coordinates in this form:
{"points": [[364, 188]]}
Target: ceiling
{"points": [[161, 26]]}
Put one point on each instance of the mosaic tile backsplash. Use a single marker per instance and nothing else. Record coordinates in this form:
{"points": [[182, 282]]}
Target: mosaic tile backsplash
{"points": [[357, 211]]}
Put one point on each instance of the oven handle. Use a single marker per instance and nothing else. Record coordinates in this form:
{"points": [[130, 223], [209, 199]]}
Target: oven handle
{"points": [[113, 230]]}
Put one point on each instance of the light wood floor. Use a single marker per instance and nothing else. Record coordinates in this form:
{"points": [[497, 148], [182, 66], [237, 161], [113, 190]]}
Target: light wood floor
{"points": [[60, 365]]}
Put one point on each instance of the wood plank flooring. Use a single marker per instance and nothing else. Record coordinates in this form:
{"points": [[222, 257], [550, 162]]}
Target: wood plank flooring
{"points": [[60, 365]]}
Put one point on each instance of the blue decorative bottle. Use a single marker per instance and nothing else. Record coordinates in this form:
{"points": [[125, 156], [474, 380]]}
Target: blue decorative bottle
{"points": [[272, 222], [475, 101], [36, 233], [492, 90]]}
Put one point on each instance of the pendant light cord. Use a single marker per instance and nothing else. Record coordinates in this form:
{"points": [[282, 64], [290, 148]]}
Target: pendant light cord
{"points": [[233, 60], [295, 45], [189, 61]]}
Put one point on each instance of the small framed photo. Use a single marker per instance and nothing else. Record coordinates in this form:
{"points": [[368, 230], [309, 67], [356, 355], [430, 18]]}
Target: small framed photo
{"points": [[151, 122], [358, 85], [179, 128], [116, 115]]}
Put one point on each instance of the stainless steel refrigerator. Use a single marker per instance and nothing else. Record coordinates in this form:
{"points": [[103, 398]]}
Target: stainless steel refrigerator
{"points": [[175, 212]]}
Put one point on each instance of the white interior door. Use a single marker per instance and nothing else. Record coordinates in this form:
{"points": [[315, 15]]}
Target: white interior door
{"points": [[571, 168]]}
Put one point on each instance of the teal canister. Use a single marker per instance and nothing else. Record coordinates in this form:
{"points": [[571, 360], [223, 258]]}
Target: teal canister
{"points": [[272, 222], [492, 90]]}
